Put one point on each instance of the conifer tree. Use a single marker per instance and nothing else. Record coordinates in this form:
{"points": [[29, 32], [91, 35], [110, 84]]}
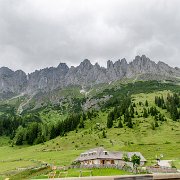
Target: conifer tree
{"points": [[110, 120], [81, 124], [120, 125], [145, 114], [146, 103]]}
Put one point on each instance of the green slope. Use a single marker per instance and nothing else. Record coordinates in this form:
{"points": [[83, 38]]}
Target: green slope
{"points": [[165, 139]]}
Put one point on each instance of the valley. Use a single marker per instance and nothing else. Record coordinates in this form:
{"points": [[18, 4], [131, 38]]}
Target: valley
{"points": [[145, 137]]}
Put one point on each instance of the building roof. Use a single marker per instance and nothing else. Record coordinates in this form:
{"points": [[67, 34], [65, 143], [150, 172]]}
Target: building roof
{"points": [[101, 153]]}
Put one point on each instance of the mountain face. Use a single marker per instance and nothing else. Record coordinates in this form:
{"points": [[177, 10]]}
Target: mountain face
{"points": [[10, 81], [85, 74]]}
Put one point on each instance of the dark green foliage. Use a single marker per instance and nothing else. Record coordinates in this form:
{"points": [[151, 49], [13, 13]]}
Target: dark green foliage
{"points": [[7, 109], [81, 123], [156, 124], [172, 104], [135, 88], [146, 103], [38, 132], [52, 131], [136, 161], [128, 119], [125, 157], [120, 125], [30, 128], [20, 136], [84, 116], [116, 112], [104, 134], [132, 111], [152, 126], [129, 123], [159, 101], [32, 132], [110, 119], [76, 108], [121, 109], [161, 117], [145, 113], [153, 111], [90, 114]]}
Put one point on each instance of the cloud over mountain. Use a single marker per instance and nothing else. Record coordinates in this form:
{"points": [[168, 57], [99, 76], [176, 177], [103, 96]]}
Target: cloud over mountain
{"points": [[39, 33]]}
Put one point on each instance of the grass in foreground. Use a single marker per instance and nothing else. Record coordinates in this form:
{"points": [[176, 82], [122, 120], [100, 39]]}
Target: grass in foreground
{"points": [[86, 172]]}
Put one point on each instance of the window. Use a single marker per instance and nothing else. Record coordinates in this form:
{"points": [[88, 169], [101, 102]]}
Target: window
{"points": [[112, 161]]}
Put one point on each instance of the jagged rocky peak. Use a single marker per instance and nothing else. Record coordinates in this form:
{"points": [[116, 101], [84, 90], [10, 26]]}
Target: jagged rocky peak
{"points": [[6, 71], [142, 60], [123, 61], [142, 64], [58, 77], [20, 73], [86, 64], [97, 66], [11, 81], [163, 65], [109, 64], [62, 66], [167, 70]]}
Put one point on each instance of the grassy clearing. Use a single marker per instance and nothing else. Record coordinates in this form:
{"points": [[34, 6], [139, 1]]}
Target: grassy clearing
{"points": [[86, 172], [2, 177], [4, 141], [29, 174], [63, 150], [12, 165], [177, 163], [52, 116]]}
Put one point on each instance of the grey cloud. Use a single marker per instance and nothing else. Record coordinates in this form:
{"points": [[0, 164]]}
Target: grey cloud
{"points": [[40, 33]]}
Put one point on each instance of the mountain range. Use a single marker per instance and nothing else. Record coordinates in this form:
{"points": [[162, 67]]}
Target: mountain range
{"points": [[86, 74]]}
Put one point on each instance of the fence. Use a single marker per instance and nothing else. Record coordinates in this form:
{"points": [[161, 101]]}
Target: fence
{"points": [[91, 166], [161, 169]]}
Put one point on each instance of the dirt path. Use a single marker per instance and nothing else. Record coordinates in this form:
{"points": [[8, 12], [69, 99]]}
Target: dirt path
{"points": [[20, 108]]}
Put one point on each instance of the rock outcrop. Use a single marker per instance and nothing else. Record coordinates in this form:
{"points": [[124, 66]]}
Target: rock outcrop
{"points": [[10, 81], [85, 74]]}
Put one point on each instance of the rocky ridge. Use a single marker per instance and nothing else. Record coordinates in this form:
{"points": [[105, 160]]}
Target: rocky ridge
{"points": [[85, 74]]}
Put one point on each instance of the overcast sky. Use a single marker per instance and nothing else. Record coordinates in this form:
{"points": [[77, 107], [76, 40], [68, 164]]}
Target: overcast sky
{"points": [[40, 33]]}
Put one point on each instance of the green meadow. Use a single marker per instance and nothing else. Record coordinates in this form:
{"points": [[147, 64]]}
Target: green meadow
{"points": [[62, 151]]}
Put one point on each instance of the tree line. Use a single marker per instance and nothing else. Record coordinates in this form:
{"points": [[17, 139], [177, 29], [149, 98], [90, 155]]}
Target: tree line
{"points": [[124, 113], [31, 129], [171, 103], [121, 110], [39, 132]]}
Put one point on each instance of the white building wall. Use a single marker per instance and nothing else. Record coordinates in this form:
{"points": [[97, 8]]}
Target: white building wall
{"points": [[107, 162], [119, 162], [96, 161]]}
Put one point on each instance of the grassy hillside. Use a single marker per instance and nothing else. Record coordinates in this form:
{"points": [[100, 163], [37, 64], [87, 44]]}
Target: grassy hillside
{"points": [[164, 139]]}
